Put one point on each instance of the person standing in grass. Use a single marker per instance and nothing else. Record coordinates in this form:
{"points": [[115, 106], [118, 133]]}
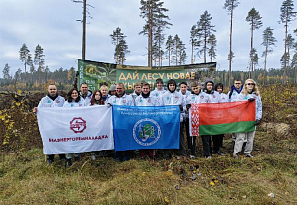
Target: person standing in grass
{"points": [[197, 96], [214, 97], [52, 99], [251, 93], [219, 87], [145, 99], [96, 100], [172, 97], [73, 100], [121, 98], [183, 89]]}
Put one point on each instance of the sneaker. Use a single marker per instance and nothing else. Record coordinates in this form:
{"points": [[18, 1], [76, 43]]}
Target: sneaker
{"points": [[235, 156], [50, 161], [68, 163], [93, 157], [207, 157], [192, 157], [249, 155]]}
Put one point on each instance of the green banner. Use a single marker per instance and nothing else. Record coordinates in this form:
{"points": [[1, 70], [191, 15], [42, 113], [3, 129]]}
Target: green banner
{"points": [[94, 73]]}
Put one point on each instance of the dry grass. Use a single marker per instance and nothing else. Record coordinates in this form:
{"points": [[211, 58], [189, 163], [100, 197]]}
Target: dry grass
{"points": [[26, 179]]}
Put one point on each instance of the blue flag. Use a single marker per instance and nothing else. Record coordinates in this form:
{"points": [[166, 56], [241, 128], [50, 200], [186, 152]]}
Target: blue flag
{"points": [[146, 127]]}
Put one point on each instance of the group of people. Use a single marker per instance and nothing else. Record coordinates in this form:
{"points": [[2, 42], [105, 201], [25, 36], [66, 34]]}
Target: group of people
{"points": [[143, 96]]}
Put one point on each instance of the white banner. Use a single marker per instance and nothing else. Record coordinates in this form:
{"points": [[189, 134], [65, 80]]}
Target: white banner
{"points": [[75, 130]]}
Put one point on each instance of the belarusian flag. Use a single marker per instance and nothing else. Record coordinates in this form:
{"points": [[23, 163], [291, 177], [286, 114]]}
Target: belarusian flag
{"points": [[221, 118]]}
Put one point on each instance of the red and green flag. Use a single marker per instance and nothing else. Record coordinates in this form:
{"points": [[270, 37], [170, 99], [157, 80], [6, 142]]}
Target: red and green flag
{"points": [[221, 118]]}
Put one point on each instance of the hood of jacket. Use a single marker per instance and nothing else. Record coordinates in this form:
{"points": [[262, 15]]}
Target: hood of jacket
{"points": [[205, 87]]}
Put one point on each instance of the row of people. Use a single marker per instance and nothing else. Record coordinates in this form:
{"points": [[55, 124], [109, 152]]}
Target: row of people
{"points": [[142, 96]]}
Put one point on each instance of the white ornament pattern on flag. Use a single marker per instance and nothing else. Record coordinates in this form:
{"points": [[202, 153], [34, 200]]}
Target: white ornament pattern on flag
{"points": [[194, 119]]}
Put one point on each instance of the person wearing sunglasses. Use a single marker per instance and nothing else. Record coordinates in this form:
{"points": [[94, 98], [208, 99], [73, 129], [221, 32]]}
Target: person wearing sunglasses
{"points": [[235, 90], [251, 93]]}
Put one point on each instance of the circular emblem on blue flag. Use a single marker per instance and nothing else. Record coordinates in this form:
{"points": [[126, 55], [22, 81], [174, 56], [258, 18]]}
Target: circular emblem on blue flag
{"points": [[146, 132]]}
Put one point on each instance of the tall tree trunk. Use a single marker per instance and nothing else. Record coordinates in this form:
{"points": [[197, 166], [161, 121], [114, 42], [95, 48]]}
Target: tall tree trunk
{"points": [[205, 40], [150, 36], [84, 30], [230, 45], [265, 62], [285, 55], [252, 28], [176, 52], [192, 52], [169, 53]]}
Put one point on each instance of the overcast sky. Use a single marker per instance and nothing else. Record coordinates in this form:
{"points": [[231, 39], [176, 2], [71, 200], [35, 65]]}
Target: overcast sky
{"points": [[52, 24]]}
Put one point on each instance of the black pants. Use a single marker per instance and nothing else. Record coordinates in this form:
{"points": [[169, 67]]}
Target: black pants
{"points": [[217, 141], [206, 141], [186, 125], [193, 145], [182, 147], [52, 156]]}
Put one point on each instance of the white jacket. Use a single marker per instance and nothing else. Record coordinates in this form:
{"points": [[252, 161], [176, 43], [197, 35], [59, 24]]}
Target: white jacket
{"points": [[224, 97], [81, 103], [174, 98], [202, 97], [214, 97], [149, 101], [242, 97], [48, 102], [124, 100], [158, 93]]}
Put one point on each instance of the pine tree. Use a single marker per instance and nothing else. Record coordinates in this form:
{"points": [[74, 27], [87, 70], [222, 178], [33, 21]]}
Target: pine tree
{"points": [[121, 47], [205, 30], [154, 14], [194, 41], [255, 60], [232, 56], [178, 53], [254, 19], [287, 15], [212, 41], [5, 72], [39, 58], [268, 41], [169, 48], [230, 5], [17, 75], [25, 56], [157, 45], [290, 44]]}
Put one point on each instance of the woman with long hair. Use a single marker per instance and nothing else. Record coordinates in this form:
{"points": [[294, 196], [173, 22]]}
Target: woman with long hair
{"points": [[73, 100], [97, 98], [251, 93]]}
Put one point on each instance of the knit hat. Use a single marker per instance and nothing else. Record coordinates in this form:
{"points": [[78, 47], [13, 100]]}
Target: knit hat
{"points": [[112, 87]]}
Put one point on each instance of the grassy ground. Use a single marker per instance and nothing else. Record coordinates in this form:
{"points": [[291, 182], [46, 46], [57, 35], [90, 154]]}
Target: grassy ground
{"points": [[26, 179]]}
